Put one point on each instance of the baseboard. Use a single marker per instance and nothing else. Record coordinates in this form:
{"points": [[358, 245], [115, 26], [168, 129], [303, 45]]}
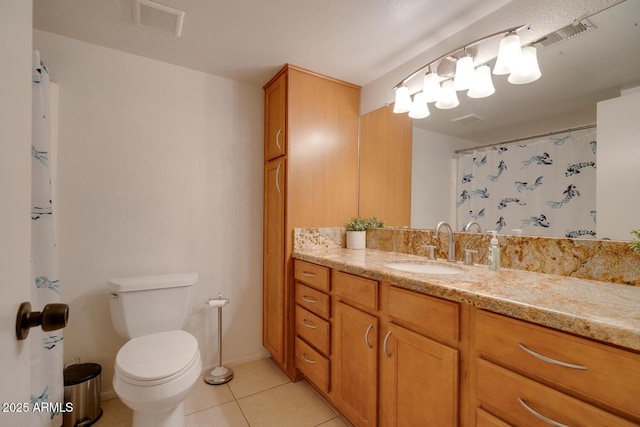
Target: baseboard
{"points": [[108, 395]]}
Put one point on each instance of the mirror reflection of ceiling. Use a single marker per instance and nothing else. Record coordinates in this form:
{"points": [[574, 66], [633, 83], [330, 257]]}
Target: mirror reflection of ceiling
{"points": [[576, 73]]}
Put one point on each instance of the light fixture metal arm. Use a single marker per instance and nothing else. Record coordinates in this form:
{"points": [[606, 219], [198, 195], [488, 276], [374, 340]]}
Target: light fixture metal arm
{"points": [[419, 70]]}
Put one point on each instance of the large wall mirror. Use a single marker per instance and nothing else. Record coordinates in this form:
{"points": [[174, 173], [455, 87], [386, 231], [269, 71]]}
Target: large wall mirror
{"points": [[577, 73]]}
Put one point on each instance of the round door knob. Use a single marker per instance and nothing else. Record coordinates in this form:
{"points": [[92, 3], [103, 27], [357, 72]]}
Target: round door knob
{"points": [[52, 317]]}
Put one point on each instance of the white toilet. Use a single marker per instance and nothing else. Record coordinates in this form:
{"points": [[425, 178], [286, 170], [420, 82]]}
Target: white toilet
{"points": [[157, 368]]}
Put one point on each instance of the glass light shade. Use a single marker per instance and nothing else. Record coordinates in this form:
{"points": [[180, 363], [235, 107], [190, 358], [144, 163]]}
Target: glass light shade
{"points": [[448, 97], [403, 100], [482, 83], [509, 54], [527, 69], [464, 73], [419, 108], [431, 88]]}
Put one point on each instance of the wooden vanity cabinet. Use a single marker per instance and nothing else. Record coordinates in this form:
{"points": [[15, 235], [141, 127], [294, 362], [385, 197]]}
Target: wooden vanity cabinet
{"points": [[386, 371], [524, 372], [398, 358], [311, 180], [312, 345]]}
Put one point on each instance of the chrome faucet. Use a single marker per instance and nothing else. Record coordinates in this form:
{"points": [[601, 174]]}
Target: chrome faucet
{"points": [[452, 245], [471, 224]]}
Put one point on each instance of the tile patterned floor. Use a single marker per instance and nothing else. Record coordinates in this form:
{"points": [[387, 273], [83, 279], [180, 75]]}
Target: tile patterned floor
{"points": [[260, 395]]}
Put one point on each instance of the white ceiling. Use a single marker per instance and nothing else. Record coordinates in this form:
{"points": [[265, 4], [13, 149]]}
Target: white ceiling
{"points": [[374, 42], [249, 40]]}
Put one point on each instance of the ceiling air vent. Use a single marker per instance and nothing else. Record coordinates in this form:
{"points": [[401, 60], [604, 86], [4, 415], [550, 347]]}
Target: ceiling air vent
{"points": [[566, 33], [158, 17], [468, 118]]}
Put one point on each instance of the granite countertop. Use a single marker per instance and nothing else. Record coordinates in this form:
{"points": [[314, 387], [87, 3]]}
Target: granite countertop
{"points": [[602, 311]]}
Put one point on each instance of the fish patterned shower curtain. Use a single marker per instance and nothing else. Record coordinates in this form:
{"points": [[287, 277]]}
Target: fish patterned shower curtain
{"points": [[545, 187], [46, 347]]}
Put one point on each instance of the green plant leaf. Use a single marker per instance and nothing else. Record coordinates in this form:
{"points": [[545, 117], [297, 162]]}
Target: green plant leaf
{"points": [[635, 243]]}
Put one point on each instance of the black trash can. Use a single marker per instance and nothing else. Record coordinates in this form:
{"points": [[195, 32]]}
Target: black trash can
{"points": [[82, 389]]}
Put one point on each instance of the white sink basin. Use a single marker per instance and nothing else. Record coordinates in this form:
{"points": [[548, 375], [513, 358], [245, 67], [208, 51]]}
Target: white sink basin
{"points": [[425, 267]]}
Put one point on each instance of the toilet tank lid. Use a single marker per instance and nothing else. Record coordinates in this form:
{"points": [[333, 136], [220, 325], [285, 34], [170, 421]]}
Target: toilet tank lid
{"points": [[140, 283]]}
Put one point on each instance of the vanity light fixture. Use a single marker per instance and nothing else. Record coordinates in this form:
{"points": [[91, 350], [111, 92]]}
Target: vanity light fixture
{"points": [[403, 100], [457, 71]]}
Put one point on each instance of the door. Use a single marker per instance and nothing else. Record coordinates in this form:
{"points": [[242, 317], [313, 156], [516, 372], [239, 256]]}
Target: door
{"points": [[275, 120], [15, 193], [273, 280], [419, 384], [355, 364]]}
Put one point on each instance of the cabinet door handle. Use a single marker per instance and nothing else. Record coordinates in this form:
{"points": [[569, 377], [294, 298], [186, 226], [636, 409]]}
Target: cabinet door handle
{"points": [[366, 336], [384, 345], [308, 325], [277, 180], [307, 274], [539, 415], [306, 359], [308, 299], [278, 139], [550, 360]]}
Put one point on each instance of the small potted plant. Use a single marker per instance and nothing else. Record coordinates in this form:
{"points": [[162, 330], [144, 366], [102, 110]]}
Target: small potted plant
{"points": [[635, 243], [357, 231]]}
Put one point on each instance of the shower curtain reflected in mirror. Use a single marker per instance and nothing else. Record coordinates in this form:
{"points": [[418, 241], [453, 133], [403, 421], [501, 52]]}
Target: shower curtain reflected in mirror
{"points": [[544, 186], [46, 347]]}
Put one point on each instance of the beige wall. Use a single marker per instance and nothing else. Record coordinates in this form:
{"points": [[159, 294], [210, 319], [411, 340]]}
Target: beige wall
{"points": [[159, 171], [618, 201], [433, 174]]}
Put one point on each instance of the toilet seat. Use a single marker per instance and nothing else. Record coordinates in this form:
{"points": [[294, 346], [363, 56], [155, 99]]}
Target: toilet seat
{"points": [[156, 359]]}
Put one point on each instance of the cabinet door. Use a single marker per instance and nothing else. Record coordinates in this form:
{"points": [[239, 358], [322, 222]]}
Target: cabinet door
{"points": [[275, 118], [355, 364], [419, 382], [273, 321]]}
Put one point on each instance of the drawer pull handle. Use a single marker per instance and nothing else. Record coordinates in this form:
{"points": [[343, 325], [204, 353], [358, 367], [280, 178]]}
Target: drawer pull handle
{"points": [[384, 346], [308, 325], [539, 415], [550, 360], [306, 359], [277, 179], [307, 274], [366, 336], [278, 139], [308, 299]]}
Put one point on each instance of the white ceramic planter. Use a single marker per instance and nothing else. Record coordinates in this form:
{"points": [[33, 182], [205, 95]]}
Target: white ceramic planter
{"points": [[356, 239]]}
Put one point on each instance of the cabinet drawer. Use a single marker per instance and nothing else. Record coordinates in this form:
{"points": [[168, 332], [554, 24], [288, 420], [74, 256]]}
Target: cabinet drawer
{"points": [[314, 301], [313, 329], [313, 365], [312, 275], [355, 289], [433, 315], [612, 375], [506, 393]]}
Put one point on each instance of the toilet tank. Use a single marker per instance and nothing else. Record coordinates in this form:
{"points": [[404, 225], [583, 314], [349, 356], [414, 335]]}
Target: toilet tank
{"points": [[148, 304]]}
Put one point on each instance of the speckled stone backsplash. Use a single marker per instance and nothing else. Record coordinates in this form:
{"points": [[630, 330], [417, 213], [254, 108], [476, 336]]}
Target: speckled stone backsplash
{"points": [[604, 260]]}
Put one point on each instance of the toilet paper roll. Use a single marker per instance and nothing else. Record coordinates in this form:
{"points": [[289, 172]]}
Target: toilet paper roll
{"points": [[218, 302]]}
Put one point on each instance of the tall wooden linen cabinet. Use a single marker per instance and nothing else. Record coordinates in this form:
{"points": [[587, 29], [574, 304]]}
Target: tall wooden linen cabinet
{"points": [[310, 180]]}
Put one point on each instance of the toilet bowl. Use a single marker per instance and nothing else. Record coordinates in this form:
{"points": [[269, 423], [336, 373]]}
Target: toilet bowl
{"points": [[154, 374], [157, 368]]}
